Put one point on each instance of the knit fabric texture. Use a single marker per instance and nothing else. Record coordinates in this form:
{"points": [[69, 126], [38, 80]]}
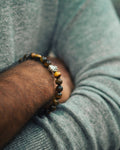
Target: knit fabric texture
{"points": [[85, 34]]}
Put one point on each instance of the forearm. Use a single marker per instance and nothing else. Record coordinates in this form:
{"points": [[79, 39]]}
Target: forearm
{"points": [[22, 92]]}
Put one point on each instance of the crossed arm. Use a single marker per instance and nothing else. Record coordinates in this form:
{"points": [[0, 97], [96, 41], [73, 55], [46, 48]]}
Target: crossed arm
{"points": [[89, 46], [24, 89]]}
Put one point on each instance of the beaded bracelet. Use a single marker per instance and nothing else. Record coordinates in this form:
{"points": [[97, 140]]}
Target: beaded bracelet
{"points": [[54, 71]]}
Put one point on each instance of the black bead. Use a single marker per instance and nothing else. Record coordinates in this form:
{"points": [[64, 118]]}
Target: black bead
{"points": [[20, 60], [59, 88], [47, 63], [44, 59], [58, 81], [36, 58], [58, 95], [26, 57]]}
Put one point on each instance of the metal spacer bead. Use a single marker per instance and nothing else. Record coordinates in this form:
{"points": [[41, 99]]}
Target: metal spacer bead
{"points": [[53, 68]]}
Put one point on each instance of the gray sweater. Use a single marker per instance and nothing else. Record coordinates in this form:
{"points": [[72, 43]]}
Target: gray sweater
{"points": [[85, 34]]}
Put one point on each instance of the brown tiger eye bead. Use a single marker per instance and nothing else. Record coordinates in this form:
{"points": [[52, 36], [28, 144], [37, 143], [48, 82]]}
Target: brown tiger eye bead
{"points": [[41, 59], [55, 102], [33, 55], [57, 74], [47, 63], [44, 59], [58, 95], [37, 55], [58, 81], [59, 88]]}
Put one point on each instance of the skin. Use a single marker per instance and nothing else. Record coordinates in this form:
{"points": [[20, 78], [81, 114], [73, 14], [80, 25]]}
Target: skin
{"points": [[23, 92]]}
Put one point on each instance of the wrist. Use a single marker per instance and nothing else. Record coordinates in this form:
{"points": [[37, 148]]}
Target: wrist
{"points": [[40, 83], [34, 83], [23, 90], [51, 106]]}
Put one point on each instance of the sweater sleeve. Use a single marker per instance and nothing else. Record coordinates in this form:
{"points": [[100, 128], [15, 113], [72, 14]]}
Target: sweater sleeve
{"points": [[87, 39]]}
